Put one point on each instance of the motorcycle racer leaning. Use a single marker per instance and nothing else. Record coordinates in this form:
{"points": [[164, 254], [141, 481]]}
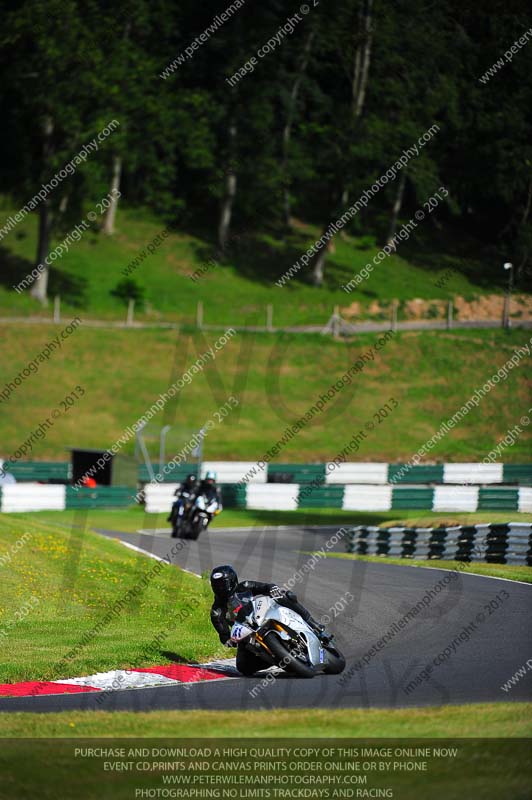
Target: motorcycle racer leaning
{"points": [[224, 584]]}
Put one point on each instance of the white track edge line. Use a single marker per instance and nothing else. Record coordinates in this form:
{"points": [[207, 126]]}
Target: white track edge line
{"points": [[251, 528], [157, 558]]}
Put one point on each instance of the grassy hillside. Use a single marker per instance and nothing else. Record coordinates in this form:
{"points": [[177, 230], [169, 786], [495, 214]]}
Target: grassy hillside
{"points": [[92, 267], [277, 379]]}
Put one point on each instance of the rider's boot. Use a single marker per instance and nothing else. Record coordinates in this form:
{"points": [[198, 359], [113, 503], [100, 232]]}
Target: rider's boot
{"points": [[319, 630]]}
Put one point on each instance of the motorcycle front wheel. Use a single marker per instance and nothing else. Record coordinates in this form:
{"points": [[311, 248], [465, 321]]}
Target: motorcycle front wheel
{"points": [[194, 530], [335, 661], [286, 660]]}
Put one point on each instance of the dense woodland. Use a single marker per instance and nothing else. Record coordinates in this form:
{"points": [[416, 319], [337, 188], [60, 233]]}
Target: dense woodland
{"points": [[300, 136]]}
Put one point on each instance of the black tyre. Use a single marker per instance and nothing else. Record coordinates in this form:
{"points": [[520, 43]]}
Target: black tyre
{"points": [[248, 663], [194, 530], [286, 660], [335, 662]]}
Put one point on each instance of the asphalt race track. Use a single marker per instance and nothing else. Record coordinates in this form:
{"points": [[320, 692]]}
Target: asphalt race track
{"points": [[498, 643]]}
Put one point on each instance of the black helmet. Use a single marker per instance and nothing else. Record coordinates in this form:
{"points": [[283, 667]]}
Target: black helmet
{"points": [[224, 581], [190, 480]]}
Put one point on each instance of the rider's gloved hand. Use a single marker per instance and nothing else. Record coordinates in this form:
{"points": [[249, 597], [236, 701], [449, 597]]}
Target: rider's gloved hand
{"points": [[230, 643], [276, 592]]}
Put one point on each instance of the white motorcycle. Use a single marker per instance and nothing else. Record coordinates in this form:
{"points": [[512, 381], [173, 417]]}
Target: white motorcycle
{"points": [[280, 637], [198, 518]]}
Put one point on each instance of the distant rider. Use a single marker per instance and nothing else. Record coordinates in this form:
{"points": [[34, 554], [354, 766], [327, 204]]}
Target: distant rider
{"points": [[224, 584], [184, 492], [208, 488]]}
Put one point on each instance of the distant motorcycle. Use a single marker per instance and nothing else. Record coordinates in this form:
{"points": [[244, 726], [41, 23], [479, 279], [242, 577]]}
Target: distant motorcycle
{"points": [[280, 637], [180, 512], [196, 517]]}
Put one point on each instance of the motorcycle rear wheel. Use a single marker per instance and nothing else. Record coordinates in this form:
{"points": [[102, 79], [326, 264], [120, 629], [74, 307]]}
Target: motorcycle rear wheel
{"points": [[287, 661]]}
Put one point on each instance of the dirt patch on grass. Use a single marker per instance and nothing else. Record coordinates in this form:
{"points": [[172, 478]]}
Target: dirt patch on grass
{"points": [[484, 307], [491, 306]]}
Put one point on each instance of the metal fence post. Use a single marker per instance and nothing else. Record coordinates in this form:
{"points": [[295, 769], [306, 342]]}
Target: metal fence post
{"points": [[506, 311], [130, 311], [57, 309], [336, 322], [269, 318], [199, 315]]}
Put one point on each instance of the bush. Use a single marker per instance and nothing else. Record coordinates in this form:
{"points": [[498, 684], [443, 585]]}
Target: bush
{"points": [[127, 289]]}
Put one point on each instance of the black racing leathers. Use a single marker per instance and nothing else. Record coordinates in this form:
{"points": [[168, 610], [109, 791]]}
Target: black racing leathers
{"points": [[211, 491], [288, 599]]}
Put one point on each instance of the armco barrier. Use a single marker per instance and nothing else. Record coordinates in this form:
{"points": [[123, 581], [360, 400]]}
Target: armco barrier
{"points": [[235, 471], [320, 497], [508, 543], [357, 472], [276, 496], [367, 498], [412, 497], [517, 473], [430, 473], [227, 472], [525, 499], [272, 496], [160, 496], [455, 498], [32, 497], [498, 498], [234, 495], [323, 474], [296, 473], [45, 471], [100, 497], [41, 497], [471, 473]]}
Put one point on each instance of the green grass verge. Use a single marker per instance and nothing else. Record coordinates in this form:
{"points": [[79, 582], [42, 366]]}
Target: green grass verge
{"points": [[76, 578], [491, 720], [277, 380], [133, 519], [509, 571], [488, 768], [435, 519]]}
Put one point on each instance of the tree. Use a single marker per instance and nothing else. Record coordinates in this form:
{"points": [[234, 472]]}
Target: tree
{"points": [[47, 111], [289, 122]]}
